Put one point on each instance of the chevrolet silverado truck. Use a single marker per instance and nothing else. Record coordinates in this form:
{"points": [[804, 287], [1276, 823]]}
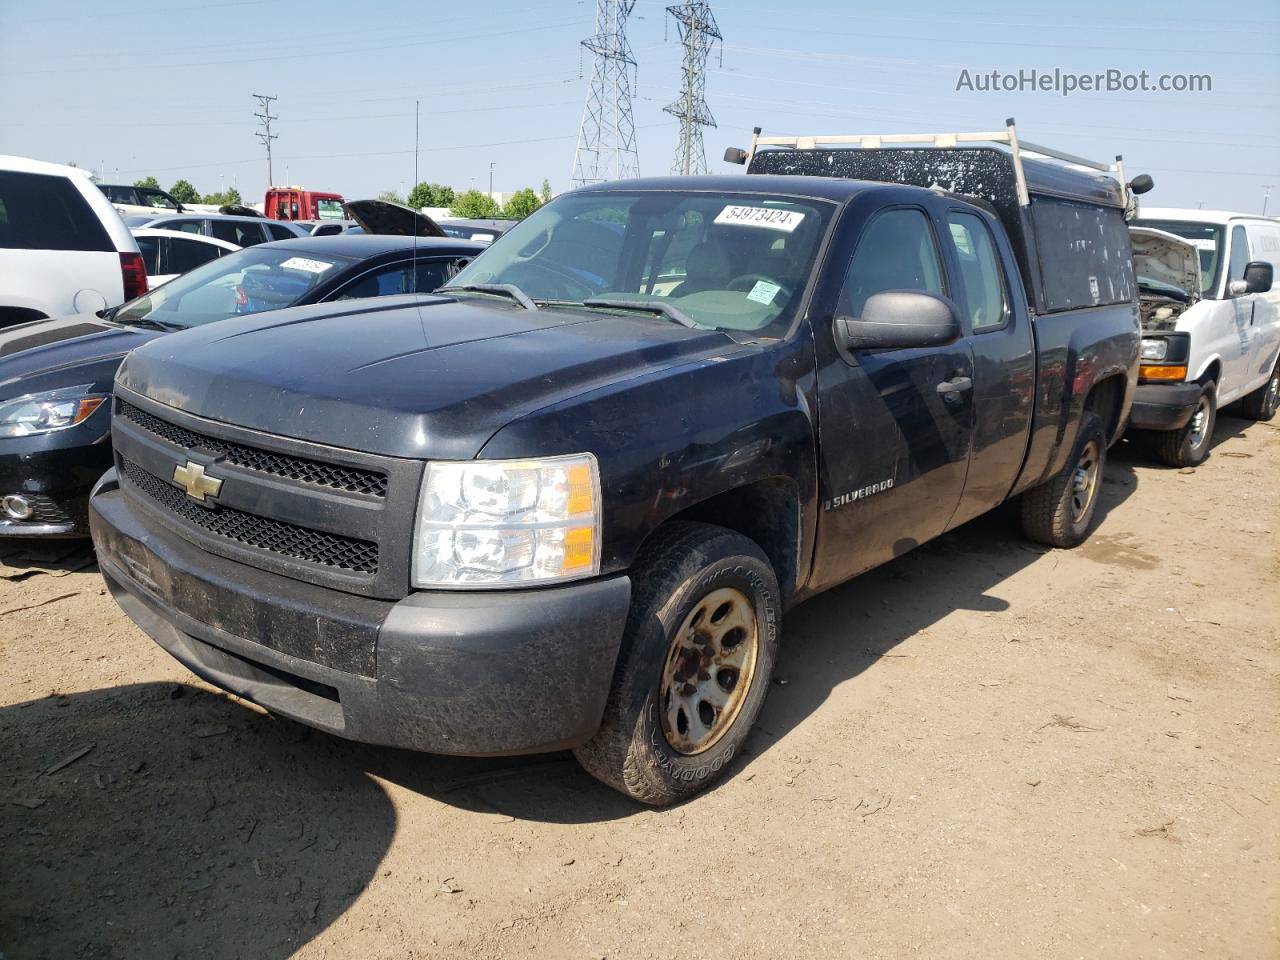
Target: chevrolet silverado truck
{"points": [[564, 502]]}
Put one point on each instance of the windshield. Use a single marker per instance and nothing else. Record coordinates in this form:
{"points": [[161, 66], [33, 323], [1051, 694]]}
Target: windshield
{"points": [[253, 280], [1207, 238], [329, 209], [726, 261]]}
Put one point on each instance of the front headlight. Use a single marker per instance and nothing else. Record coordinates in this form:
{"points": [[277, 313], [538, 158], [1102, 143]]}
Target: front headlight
{"points": [[500, 523], [48, 411], [1155, 348]]}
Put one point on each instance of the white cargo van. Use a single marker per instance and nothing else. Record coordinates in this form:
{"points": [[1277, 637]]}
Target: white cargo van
{"points": [[1210, 322]]}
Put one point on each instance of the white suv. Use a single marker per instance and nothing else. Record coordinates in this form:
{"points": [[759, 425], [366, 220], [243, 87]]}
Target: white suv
{"points": [[63, 248], [1210, 324]]}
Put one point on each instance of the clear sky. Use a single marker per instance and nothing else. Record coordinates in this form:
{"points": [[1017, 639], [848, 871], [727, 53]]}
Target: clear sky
{"points": [[163, 87]]}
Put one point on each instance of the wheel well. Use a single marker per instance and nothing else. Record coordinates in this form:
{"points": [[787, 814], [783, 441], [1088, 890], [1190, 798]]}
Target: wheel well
{"points": [[1105, 400], [766, 512], [1212, 372]]}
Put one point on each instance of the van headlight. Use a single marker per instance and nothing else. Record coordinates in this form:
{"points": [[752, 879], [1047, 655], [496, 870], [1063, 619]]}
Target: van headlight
{"points": [[1155, 348], [501, 523], [48, 411]]}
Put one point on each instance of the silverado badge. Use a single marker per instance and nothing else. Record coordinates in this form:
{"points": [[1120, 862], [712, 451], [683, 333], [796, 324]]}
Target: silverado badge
{"points": [[192, 478]]}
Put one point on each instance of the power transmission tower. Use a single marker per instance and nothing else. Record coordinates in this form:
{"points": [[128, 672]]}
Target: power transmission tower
{"points": [[698, 32], [607, 137], [265, 134]]}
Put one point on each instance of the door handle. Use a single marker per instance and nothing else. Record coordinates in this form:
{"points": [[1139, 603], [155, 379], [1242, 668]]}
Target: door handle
{"points": [[954, 386]]}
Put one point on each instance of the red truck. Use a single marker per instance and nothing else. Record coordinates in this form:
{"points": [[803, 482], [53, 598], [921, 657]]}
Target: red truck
{"points": [[294, 203]]}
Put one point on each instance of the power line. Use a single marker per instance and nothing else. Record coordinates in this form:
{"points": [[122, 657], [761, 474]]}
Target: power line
{"points": [[607, 137], [265, 134], [698, 32]]}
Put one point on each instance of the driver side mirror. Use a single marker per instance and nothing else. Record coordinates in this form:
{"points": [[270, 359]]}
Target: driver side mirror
{"points": [[898, 319], [1257, 279]]}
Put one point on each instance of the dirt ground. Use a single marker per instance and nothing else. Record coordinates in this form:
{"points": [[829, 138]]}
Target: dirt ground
{"points": [[984, 749]]}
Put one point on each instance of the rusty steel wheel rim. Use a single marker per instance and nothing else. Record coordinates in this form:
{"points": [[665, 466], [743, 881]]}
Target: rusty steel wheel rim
{"points": [[708, 672]]}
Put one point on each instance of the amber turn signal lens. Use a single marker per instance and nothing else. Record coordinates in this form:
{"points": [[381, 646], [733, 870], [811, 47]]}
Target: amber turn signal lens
{"points": [[1163, 373]]}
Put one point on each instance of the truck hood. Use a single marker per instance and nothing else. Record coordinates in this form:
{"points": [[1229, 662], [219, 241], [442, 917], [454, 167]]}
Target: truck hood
{"points": [[1166, 258], [47, 354], [419, 377]]}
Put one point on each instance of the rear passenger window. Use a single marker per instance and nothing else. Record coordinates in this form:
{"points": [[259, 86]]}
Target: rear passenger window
{"points": [[186, 255], [241, 234], [980, 271], [43, 212], [186, 226], [150, 249], [897, 252], [281, 233]]}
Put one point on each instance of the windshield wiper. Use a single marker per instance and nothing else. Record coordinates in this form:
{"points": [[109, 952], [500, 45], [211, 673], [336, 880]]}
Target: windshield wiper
{"points": [[502, 289], [143, 321], [646, 306]]}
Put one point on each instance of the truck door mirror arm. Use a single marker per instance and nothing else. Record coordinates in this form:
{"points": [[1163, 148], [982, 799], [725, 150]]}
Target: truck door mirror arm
{"points": [[900, 319]]}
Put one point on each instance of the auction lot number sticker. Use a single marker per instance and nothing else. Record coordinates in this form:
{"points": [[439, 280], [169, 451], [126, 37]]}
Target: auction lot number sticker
{"points": [[767, 217]]}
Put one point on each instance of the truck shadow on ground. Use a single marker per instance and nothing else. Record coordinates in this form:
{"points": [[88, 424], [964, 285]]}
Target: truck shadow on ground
{"points": [[157, 820]]}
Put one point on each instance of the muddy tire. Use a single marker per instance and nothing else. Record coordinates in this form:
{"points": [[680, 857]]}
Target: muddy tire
{"points": [[1060, 511], [694, 668], [1263, 403], [1189, 447]]}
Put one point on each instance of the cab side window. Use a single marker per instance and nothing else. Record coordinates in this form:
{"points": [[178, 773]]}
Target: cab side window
{"points": [[980, 271], [1239, 253], [896, 252]]}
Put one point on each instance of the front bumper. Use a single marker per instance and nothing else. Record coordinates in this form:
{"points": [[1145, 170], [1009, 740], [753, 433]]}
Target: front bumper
{"points": [[56, 471], [474, 673], [1164, 406]]}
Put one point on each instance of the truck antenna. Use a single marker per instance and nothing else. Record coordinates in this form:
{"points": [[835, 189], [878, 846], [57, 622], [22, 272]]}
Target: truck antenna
{"points": [[412, 189]]}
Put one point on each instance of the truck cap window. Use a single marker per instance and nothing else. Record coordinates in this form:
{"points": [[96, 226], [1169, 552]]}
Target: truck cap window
{"points": [[252, 280], [725, 261]]}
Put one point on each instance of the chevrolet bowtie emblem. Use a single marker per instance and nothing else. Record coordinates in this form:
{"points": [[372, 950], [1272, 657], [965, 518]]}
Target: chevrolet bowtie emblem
{"points": [[192, 478]]}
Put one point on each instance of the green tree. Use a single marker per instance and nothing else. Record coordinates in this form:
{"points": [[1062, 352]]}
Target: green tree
{"points": [[150, 182], [522, 203], [431, 195], [390, 196], [474, 204], [184, 192], [546, 191], [229, 196]]}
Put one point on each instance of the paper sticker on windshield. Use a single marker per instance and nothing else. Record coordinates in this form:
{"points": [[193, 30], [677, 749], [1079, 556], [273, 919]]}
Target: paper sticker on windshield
{"points": [[302, 263], [763, 292], [767, 217]]}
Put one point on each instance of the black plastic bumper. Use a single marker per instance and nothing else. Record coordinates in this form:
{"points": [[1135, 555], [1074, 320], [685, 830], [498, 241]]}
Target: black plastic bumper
{"points": [[57, 478], [471, 673], [1164, 406]]}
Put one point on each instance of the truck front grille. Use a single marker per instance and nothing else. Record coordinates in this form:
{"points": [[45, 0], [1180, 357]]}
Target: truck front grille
{"points": [[301, 469], [276, 536]]}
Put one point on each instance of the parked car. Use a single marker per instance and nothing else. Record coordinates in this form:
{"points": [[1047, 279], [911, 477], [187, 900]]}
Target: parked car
{"points": [[130, 200], [171, 253], [1210, 321], [242, 231], [55, 375], [327, 228], [63, 247], [565, 503], [482, 230]]}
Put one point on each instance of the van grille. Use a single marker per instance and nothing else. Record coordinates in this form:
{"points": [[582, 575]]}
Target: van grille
{"points": [[301, 469], [314, 546]]}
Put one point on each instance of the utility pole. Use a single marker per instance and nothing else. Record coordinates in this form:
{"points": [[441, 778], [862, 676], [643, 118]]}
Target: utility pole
{"points": [[1266, 197], [491, 179], [698, 32], [607, 136], [265, 134]]}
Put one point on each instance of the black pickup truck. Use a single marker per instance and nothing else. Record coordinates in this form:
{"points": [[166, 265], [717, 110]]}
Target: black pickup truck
{"points": [[564, 503]]}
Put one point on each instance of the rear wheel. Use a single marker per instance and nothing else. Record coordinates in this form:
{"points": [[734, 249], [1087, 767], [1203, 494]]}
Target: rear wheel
{"points": [[1263, 402], [694, 667], [1060, 511], [1189, 447]]}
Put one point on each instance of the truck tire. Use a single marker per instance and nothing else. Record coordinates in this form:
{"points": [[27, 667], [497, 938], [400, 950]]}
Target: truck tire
{"points": [[696, 660], [1262, 404], [1059, 511], [1189, 447]]}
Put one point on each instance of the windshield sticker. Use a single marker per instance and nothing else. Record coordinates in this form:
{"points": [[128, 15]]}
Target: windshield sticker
{"points": [[302, 263], [767, 217], [763, 292]]}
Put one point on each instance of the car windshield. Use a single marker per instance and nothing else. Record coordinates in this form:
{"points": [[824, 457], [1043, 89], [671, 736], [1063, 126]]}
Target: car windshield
{"points": [[329, 209], [253, 280], [724, 261], [1207, 238]]}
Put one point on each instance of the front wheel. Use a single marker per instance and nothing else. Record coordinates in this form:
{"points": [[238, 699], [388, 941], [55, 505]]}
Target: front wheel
{"points": [[696, 660], [1263, 402], [1189, 447], [1060, 510]]}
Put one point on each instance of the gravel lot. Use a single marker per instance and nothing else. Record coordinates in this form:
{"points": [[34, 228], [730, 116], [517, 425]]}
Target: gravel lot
{"points": [[981, 750]]}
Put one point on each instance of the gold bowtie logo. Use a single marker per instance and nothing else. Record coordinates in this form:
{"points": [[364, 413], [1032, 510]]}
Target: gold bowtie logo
{"points": [[192, 478]]}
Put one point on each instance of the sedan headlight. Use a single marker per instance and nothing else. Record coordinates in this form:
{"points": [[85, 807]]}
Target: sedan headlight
{"points": [[1155, 348], [48, 411], [501, 523]]}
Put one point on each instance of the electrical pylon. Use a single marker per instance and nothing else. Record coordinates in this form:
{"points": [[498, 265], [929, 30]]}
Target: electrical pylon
{"points": [[698, 32], [607, 137]]}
